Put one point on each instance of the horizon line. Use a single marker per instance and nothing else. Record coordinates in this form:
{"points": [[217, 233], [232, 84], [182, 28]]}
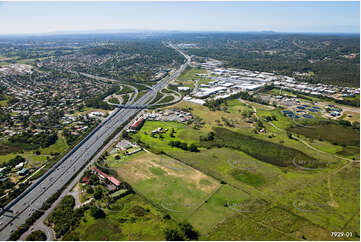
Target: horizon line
{"points": [[124, 31]]}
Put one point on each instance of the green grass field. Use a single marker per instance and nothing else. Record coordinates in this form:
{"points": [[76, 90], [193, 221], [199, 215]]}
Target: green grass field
{"points": [[190, 74], [187, 77], [34, 160], [236, 106], [310, 196], [216, 209], [240, 228], [273, 224]]}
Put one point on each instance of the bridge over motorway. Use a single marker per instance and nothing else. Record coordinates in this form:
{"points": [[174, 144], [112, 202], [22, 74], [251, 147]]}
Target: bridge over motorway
{"points": [[122, 106]]}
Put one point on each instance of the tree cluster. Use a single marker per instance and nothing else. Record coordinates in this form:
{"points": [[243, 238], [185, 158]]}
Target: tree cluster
{"points": [[62, 215], [185, 232], [29, 141], [183, 146], [37, 235]]}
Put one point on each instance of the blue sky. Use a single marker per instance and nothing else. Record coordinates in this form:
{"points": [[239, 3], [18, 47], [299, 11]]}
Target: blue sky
{"points": [[43, 17]]}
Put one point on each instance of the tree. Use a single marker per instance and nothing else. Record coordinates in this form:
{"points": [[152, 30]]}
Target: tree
{"points": [[167, 216], [61, 217], [98, 194], [189, 231], [356, 125], [96, 212], [93, 180], [345, 122], [18, 159], [183, 146], [211, 136], [193, 148], [260, 124], [125, 135], [173, 235], [172, 133], [37, 235], [89, 190]]}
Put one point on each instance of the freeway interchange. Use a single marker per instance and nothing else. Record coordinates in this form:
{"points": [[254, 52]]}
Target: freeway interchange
{"points": [[21, 208]]}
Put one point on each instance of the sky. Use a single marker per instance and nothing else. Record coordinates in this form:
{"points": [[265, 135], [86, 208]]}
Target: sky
{"points": [[45, 17]]}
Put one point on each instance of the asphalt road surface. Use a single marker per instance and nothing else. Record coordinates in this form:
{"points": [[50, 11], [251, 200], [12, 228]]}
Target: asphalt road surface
{"points": [[17, 211]]}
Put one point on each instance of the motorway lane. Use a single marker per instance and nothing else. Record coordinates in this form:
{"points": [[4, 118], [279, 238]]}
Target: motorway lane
{"points": [[61, 174]]}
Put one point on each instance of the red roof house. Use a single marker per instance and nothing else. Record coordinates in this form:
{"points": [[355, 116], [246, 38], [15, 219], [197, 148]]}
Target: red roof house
{"points": [[138, 124], [85, 180], [113, 180]]}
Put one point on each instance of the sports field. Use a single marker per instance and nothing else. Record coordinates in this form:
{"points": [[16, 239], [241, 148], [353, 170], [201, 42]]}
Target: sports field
{"points": [[168, 184]]}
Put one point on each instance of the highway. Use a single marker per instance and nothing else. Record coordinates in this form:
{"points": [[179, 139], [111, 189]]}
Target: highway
{"points": [[17, 211]]}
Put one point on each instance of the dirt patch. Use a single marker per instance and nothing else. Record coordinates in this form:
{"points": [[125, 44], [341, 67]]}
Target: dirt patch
{"points": [[134, 174], [8, 149], [352, 116], [190, 175]]}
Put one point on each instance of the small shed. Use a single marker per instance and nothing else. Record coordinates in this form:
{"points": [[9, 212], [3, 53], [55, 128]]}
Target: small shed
{"points": [[23, 172]]}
